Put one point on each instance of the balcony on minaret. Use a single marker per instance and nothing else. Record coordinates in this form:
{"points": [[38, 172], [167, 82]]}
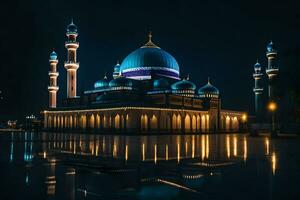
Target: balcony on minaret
{"points": [[71, 45], [272, 72], [53, 74], [71, 65], [53, 88], [258, 90]]}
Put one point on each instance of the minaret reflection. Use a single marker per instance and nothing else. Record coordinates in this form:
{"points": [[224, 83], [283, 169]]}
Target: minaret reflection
{"points": [[178, 148]]}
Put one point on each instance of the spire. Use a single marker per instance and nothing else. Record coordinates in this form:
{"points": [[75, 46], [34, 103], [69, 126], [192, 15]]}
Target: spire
{"points": [[150, 44], [118, 63], [105, 77], [188, 77], [208, 80], [72, 22]]}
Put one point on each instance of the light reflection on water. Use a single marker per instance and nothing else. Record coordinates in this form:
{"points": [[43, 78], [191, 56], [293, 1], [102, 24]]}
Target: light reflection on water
{"points": [[79, 166]]}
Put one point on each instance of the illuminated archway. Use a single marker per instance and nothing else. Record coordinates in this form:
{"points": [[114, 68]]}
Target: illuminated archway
{"points": [[198, 123], [117, 121], [227, 123], [54, 122], [194, 123], [203, 124], [153, 122], [178, 121], [207, 123], [174, 123], [92, 121], [71, 121], [98, 121], [187, 123]]}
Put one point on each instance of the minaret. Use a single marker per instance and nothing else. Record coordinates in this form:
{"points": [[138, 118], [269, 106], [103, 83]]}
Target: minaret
{"points": [[53, 74], [272, 70], [258, 89], [71, 64]]}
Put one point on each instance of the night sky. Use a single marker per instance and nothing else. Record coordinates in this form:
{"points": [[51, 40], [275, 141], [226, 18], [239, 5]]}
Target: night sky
{"points": [[219, 39]]}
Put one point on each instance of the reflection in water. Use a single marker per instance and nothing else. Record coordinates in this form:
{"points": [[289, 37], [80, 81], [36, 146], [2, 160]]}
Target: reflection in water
{"points": [[273, 160], [202, 158], [267, 143], [245, 149], [228, 146], [234, 146]]}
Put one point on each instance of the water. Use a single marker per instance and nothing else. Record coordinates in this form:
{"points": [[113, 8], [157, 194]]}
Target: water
{"points": [[77, 166]]}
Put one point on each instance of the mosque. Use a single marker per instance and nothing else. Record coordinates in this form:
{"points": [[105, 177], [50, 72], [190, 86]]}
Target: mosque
{"points": [[146, 94]]}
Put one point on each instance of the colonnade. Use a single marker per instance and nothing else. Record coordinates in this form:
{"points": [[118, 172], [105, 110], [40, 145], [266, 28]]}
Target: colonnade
{"points": [[198, 121]]}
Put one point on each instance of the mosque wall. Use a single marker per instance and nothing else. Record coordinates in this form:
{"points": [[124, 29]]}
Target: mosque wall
{"points": [[143, 119]]}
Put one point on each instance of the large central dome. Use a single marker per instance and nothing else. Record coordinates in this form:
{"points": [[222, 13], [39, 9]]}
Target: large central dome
{"points": [[148, 62]]}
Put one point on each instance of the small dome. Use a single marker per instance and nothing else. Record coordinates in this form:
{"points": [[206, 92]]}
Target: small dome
{"points": [[117, 67], [161, 84], [53, 55], [121, 82], [270, 47], [72, 28], [257, 65], [183, 85], [101, 83], [208, 91]]}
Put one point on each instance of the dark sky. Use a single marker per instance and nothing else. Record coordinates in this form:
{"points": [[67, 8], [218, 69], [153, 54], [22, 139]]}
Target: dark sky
{"points": [[220, 39]]}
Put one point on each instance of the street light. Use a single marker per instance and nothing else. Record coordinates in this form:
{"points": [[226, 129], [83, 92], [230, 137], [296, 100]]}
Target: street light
{"points": [[272, 107]]}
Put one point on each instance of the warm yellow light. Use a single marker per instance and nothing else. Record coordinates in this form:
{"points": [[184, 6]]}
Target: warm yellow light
{"points": [[273, 160], [272, 106], [244, 117]]}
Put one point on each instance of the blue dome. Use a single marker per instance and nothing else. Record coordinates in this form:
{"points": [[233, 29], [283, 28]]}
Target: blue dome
{"points": [[149, 61], [208, 91], [270, 47], [121, 82], [53, 55], [72, 28], [183, 85], [161, 84], [101, 83], [257, 66], [117, 68]]}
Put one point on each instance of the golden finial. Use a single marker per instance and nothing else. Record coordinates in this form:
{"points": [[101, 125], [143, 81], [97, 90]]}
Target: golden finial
{"points": [[150, 44], [150, 36], [208, 80]]}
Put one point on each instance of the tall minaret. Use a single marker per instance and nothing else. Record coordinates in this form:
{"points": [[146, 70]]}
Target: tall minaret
{"points": [[53, 74], [272, 70], [71, 64], [258, 89]]}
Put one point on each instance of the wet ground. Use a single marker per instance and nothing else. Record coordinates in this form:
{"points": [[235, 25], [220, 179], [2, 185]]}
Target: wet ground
{"points": [[77, 166]]}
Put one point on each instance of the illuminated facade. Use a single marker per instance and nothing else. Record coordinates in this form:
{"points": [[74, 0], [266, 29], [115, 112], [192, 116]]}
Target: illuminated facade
{"points": [[146, 94]]}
